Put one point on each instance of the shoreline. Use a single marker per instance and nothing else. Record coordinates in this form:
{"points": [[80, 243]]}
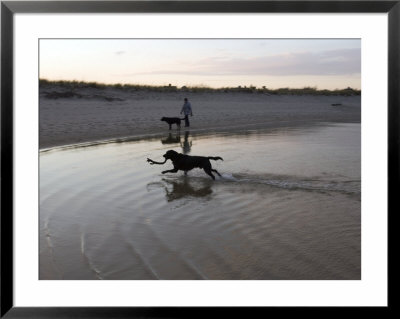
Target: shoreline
{"points": [[234, 130], [114, 116]]}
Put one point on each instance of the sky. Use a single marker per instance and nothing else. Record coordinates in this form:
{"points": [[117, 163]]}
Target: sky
{"points": [[273, 63]]}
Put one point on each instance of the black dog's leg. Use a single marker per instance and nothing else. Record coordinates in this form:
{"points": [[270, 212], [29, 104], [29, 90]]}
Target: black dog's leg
{"points": [[170, 126], [175, 170], [208, 171], [214, 170]]}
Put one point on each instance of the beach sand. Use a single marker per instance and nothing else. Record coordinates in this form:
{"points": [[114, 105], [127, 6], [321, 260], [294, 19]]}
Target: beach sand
{"points": [[287, 207], [102, 114]]}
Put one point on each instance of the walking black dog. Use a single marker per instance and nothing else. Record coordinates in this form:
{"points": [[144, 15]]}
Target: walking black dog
{"points": [[186, 162], [172, 120]]}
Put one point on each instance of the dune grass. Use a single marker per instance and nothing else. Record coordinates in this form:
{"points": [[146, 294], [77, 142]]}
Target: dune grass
{"points": [[43, 83]]}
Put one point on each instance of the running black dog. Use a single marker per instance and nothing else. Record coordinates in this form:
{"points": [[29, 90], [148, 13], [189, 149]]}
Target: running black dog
{"points": [[172, 120], [186, 163]]}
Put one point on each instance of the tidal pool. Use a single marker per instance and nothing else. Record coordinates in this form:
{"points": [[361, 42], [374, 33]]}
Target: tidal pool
{"points": [[288, 206]]}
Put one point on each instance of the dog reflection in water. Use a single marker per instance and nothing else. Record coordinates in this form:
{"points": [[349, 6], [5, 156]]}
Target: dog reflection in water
{"points": [[181, 188], [176, 139], [170, 139]]}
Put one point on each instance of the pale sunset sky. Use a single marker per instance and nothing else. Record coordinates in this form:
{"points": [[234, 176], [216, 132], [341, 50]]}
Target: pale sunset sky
{"points": [[274, 63]]}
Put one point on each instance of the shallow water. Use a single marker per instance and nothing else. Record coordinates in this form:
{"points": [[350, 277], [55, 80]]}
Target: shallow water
{"points": [[286, 207]]}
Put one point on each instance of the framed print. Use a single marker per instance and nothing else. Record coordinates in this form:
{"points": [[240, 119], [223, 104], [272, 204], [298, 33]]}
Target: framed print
{"points": [[184, 158]]}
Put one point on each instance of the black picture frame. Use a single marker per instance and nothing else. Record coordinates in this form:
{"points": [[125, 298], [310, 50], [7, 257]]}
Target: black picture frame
{"points": [[9, 8]]}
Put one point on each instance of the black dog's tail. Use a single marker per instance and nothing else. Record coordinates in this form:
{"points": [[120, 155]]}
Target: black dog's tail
{"points": [[215, 158]]}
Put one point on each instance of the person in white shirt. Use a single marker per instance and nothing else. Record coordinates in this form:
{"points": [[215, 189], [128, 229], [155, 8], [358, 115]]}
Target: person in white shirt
{"points": [[187, 110]]}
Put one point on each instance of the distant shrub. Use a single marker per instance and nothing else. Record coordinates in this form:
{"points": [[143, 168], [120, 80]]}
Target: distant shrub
{"points": [[201, 88], [60, 95]]}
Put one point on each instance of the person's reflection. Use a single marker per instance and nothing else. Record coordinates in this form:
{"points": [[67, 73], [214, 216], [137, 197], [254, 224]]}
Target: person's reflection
{"points": [[186, 145], [178, 189], [170, 139]]}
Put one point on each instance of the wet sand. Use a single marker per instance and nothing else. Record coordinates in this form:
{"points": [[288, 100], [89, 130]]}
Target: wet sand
{"points": [[287, 207], [103, 114]]}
